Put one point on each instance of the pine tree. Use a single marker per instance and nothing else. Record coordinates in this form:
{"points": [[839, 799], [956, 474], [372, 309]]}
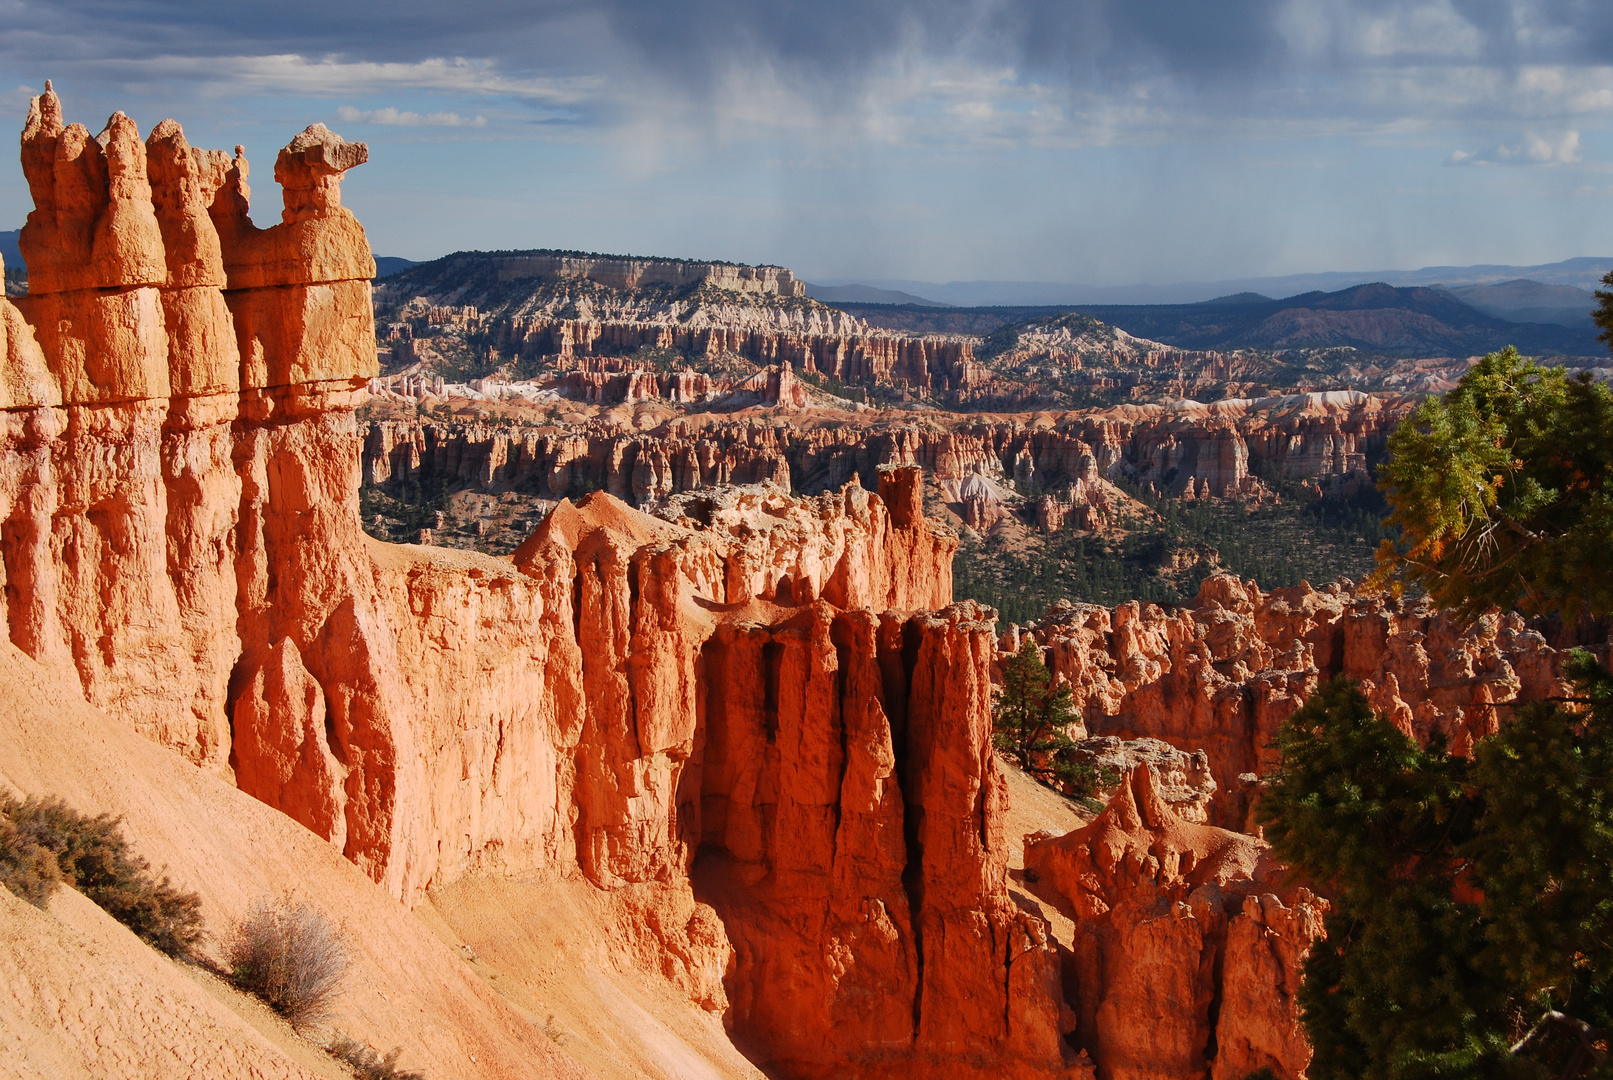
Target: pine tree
{"points": [[1030, 723], [1503, 492], [1472, 932]]}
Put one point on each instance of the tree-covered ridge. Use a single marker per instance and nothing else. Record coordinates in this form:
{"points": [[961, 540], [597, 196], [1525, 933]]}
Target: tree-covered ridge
{"points": [[1300, 536]]}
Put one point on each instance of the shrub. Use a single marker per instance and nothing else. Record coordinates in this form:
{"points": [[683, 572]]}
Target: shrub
{"points": [[91, 855], [291, 956], [366, 1063], [28, 870]]}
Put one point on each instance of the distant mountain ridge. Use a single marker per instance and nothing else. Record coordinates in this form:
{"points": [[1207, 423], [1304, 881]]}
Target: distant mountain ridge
{"points": [[1375, 317], [9, 251], [1578, 273], [1531, 301]]}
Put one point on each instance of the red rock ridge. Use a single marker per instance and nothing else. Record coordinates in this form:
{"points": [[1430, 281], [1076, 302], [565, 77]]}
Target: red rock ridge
{"points": [[1223, 673], [1187, 946]]}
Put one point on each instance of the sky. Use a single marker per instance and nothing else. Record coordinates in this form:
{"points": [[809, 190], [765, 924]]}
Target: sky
{"points": [[1105, 142]]}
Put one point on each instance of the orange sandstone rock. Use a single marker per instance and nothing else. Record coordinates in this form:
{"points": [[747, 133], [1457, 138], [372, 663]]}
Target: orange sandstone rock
{"points": [[745, 717], [1223, 673], [1187, 945]]}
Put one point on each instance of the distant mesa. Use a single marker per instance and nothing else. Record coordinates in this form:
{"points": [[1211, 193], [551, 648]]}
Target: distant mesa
{"points": [[629, 272]]}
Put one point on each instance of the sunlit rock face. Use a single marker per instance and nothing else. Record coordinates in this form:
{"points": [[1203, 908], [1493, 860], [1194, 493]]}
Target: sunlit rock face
{"points": [[1221, 674]]}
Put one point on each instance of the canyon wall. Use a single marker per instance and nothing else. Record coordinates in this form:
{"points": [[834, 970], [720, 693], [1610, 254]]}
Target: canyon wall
{"points": [[1184, 449], [181, 472], [1222, 673]]}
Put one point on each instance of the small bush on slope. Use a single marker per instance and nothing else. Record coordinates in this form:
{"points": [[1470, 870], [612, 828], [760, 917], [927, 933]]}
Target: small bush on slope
{"points": [[366, 1063], [91, 855], [291, 956], [27, 869]]}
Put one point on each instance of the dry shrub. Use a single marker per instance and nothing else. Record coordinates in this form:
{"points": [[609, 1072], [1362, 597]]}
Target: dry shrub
{"points": [[366, 1063], [28, 870], [91, 855], [291, 956]]}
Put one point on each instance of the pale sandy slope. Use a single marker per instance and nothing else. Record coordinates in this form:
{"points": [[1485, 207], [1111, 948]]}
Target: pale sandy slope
{"points": [[81, 997]]}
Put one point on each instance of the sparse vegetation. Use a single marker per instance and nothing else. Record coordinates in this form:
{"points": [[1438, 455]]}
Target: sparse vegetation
{"points": [[26, 868], [366, 1063], [291, 956], [1163, 560], [45, 841], [1029, 725]]}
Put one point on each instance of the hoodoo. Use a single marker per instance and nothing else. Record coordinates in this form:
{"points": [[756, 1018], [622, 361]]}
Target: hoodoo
{"points": [[758, 721]]}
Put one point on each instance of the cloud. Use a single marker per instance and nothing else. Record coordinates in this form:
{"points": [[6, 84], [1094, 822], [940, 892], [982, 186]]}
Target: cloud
{"points": [[334, 75], [400, 118], [956, 72], [1559, 148]]}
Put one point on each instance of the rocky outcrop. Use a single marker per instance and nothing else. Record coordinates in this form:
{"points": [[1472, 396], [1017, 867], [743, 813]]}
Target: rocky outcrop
{"points": [[1186, 450], [1187, 944], [1184, 779], [1222, 673]]}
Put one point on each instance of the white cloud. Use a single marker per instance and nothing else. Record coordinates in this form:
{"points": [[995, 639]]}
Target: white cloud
{"points": [[399, 118], [1533, 148], [333, 76], [1426, 30]]}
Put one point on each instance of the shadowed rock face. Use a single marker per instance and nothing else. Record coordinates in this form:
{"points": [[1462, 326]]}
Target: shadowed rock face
{"points": [[757, 718]]}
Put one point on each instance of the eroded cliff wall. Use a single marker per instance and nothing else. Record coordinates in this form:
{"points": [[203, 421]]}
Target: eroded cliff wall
{"points": [[1184, 449], [1222, 673]]}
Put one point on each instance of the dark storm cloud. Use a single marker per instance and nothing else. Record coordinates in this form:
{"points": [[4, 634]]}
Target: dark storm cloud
{"points": [[1196, 54]]}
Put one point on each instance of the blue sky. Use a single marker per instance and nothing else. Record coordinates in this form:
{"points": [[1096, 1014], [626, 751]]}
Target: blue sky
{"points": [[1094, 141]]}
